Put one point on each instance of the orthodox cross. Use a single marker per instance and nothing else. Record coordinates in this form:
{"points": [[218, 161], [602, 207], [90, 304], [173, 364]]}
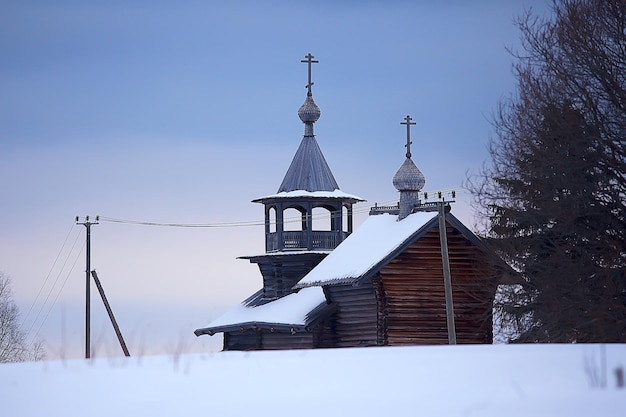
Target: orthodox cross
{"points": [[408, 124], [309, 60]]}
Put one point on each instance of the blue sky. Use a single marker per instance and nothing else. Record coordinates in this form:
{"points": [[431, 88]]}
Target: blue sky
{"points": [[185, 111]]}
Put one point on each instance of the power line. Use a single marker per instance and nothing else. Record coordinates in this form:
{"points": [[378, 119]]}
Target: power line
{"points": [[59, 292], [191, 225], [210, 225], [251, 223], [247, 223], [53, 286], [47, 277]]}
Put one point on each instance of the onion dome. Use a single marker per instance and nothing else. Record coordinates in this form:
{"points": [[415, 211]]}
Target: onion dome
{"points": [[409, 180], [409, 177], [309, 112]]}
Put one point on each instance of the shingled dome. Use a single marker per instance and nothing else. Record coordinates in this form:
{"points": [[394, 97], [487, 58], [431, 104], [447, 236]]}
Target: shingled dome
{"points": [[409, 177], [309, 112]]}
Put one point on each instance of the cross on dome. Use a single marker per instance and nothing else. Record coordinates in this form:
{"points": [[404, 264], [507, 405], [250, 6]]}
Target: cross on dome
{"points": [[408, 123], [409, 180], [309, 60]]}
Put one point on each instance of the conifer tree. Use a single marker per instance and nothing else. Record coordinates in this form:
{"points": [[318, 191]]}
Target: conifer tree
{"points": [[553, 195]]}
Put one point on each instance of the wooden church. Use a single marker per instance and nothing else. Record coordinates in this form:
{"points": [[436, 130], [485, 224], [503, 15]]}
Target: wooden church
{"points": [[410, 274]]}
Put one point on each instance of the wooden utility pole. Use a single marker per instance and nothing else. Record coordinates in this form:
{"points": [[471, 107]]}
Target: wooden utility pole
{"points": [[447, 279], [87, 225], [110, 312]]}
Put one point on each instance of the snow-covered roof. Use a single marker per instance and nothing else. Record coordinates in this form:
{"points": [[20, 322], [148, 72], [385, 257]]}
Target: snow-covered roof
{"points": [[338, 194], [366, 248], [291, 310]]}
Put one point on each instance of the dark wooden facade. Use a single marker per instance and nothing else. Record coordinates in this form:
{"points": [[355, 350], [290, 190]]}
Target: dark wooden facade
{"points": [[355, 322], [267, 339], [400, 302], [282, 272], [412, 299], [403, 303]]}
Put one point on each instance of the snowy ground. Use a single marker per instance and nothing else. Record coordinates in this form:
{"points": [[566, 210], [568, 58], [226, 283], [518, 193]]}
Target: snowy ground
{"points": [[498, 380]]}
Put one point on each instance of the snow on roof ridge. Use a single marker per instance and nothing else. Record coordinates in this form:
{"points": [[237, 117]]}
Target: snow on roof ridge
{"points": [[304, 193], [365, 248]]}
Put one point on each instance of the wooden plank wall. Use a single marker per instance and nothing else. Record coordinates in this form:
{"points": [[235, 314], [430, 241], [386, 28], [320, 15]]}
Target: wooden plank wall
{"points": [[324, 333], [286, 340], [280, 276], [251, 339], [402, 305], [243, 340], [355, 321], [413, 295]]}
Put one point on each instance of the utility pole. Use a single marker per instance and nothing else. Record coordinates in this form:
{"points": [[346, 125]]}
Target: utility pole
{"points": [[120, 338], [87, 225], [447, 279]]}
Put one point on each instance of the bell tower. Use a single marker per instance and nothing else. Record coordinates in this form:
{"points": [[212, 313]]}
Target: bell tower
{"points": [[308, 216]]}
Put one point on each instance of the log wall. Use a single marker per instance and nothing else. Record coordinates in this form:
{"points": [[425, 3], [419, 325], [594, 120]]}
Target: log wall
{"points": [[280, 274], [412, 299], [265, 339], [403, 304], [356, 318]]}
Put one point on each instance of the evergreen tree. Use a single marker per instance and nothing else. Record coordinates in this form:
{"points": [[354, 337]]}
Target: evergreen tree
{"points": [[553, 195]]}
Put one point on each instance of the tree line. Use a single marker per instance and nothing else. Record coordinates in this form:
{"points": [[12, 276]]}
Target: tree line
{"points": [[552, 195]]}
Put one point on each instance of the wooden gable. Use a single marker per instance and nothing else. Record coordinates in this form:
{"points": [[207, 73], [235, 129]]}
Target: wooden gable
{"points": [[402, 300], [412, 298]]}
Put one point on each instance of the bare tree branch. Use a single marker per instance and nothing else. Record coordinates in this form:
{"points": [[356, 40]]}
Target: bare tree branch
{"points": [[553, 196]]}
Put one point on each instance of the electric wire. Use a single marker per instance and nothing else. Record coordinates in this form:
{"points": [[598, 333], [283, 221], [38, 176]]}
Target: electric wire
{"points": [[52, 287], [363, 208], [190, 225], [47, 277], [211, 225], [59, 292]]}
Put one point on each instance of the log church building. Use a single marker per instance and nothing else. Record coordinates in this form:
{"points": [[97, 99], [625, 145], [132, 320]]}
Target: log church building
{"points": [[411, 274]]}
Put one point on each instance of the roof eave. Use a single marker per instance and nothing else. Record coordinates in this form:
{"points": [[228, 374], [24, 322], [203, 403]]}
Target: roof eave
{"points": [[277, 197], [285, 254], [316, 315], [250, 325], [337, 281]]}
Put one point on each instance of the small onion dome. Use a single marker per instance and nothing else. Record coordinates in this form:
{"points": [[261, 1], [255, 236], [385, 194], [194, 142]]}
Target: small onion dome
{"points": [[309, 112], [409, 177]]}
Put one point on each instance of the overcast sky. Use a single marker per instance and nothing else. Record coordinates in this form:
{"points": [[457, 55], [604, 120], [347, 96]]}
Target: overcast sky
{"points": [[183, 112]]}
